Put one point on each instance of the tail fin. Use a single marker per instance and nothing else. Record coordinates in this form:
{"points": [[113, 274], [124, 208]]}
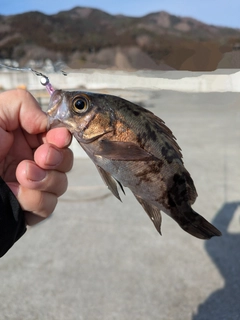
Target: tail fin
{"points": [[196, 225]]}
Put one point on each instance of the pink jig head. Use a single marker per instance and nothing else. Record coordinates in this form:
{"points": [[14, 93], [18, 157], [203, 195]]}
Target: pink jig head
{"points": [[45, 82], [54, 99]]}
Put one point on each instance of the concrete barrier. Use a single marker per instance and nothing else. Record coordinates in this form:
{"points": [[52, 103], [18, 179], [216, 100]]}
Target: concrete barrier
{"points": [[221, 80]]}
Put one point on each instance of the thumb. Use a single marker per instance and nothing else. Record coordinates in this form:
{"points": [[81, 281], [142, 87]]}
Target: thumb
{"points": [[18, 108]]}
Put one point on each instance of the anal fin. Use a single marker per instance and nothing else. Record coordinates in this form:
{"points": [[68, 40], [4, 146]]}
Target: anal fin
{"points": [[153, 212]]}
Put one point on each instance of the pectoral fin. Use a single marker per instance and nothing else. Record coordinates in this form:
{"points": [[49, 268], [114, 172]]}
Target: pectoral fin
{"points": [[123, 151], [110, 182], [153, 213]]}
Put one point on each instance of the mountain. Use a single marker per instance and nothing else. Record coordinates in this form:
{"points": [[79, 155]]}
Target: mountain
{"points": [[87, 37]]}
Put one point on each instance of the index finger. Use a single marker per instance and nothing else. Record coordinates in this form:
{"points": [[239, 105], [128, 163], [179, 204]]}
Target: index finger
{"points": [[60, 137]]}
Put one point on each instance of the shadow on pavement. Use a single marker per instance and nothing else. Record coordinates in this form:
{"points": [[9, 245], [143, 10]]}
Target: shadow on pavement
{"points": [[224, 304]]}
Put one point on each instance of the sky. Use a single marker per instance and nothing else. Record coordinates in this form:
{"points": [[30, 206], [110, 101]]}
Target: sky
{"points": [[215, 12]]}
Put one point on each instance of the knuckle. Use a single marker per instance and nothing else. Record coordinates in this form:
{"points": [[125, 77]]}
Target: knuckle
{"points": [[45, 204], [62, 185]]}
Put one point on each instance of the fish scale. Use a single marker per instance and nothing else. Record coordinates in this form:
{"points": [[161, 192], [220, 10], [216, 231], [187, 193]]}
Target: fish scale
{"points": [[133, 148]]}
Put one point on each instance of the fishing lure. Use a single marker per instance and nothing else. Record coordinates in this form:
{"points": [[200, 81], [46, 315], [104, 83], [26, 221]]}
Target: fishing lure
{"points": [[44, 79], [45, 82]]}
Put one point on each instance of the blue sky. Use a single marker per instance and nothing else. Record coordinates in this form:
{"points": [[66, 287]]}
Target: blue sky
{"points": [[216, 12]]}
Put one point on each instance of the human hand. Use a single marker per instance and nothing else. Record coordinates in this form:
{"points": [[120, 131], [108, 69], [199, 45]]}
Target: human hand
{"points": [[33, 162]]}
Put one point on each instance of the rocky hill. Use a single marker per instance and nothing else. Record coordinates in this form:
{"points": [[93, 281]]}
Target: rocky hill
{"points": [[86, 37]]}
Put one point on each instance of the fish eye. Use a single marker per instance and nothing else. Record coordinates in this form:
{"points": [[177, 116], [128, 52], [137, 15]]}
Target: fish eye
{"points": [[80, 104]]}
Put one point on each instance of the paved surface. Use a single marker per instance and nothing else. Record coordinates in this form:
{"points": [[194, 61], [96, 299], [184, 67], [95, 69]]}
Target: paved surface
{"points": [[99, 259]]}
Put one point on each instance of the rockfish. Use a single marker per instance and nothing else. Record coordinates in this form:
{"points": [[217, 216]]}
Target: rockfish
{"points": [[132, 147]]}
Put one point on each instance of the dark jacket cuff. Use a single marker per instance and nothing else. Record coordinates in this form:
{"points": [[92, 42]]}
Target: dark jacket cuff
{"points": [[12, 221]]}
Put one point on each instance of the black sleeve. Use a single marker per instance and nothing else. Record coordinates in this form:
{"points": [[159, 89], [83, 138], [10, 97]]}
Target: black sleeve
{"points": [[12, 221]]}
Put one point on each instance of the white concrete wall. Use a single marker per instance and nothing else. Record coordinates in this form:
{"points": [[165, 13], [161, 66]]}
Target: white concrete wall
{"points": [[217, 81]]}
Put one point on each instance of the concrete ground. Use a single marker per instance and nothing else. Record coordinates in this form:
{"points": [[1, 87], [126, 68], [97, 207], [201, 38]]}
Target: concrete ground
{"points": [[99, 259]]}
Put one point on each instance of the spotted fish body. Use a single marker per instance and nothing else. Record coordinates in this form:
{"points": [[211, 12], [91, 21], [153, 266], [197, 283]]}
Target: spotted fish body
{"points": [[134, 148]]}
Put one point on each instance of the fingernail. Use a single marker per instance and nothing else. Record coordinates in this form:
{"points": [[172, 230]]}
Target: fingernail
{"points": [[68, 140], [54, 157], [34, 173]]}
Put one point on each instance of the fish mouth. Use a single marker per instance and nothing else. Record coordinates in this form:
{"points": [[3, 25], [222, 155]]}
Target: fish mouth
{"points": [[57, 111]]}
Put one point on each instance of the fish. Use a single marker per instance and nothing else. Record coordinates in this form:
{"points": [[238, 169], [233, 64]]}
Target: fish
{"points": [[131, 147]]}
